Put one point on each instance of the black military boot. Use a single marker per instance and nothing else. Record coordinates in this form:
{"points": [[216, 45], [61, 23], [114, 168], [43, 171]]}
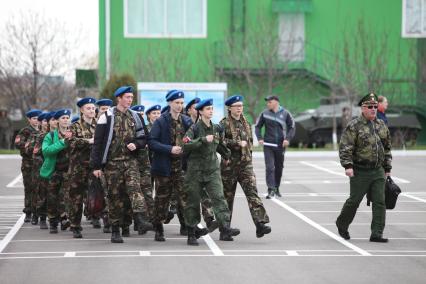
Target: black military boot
{"points": [[199, 232], [169, 217], [76, 233], [211, 224], [53, 226], [125, 231], [378, 239], [65, 223], [235, 232], [192, 238], [143, 225], [225, 233], [34, 219], [262, 229], [107, 224], [43, 223], [343, 233], [96, 223], [271, 192], [27, 217], [159, 233], [277, 192], [115, 235], [183, 230]]}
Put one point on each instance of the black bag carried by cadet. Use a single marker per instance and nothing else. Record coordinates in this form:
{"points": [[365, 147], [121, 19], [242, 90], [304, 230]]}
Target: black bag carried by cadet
{"points": [[392, 191], [95, 197]]}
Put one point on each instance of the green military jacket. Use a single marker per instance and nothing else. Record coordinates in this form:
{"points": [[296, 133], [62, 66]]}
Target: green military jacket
{"points": [[51, 147], [78, 143], [234, 133], [23, 141], [201, 155], [366, 144]]}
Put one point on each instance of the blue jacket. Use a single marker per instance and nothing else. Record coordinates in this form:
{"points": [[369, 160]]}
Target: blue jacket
{"points": [[279, 125], [382, 116], [159, 142]]}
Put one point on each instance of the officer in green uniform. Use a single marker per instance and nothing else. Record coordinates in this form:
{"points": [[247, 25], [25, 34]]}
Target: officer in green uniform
{"points": [[239, 139], [365, 153], [201, 142]]}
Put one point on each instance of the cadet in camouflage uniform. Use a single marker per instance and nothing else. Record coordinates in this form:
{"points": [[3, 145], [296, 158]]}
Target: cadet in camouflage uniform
{"points": [[166, 142], [206, 204], [22, 142], [365, 153], [201, 143], [238, 138], [80, 144], [55, 168], [118, 135]]}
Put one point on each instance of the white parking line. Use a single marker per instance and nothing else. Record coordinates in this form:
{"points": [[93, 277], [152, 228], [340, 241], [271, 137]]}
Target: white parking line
{"points": [[413, 197], [212, 245], [16, 180], [8, 238], [320, 228]]}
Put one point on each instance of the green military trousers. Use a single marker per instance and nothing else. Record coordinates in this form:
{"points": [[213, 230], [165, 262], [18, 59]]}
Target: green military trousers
{"points": [[194, 184], [363, 181]]}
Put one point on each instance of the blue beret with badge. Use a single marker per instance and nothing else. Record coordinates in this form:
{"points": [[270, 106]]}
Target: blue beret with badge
{"points": [[154, 107], [174, 95], [138, 108], [123, 90], [104, 102], [234, 99], [42, 116], [192, 102], [62, 112], [165, 109], [86, 101], [204, 103], [33, 113], [369, 99]]}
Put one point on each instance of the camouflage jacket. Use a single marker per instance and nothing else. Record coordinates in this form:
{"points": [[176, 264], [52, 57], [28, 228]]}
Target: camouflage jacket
{"points": [[234, 133], [79, 147], [366, 144], [23, 141]]}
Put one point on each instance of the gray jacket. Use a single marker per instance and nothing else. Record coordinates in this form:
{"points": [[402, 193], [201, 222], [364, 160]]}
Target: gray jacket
{"points": [[278, 126]]}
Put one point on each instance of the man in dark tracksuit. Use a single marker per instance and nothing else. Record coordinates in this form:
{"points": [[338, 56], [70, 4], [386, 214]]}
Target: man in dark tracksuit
{"points": [[279, 130]]}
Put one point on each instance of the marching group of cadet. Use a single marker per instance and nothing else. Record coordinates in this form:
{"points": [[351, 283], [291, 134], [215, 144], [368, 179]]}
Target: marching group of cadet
{"points": [[167, 165]]}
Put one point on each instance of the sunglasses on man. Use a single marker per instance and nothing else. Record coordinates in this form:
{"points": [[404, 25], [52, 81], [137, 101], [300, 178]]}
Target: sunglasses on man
{"points": [[371, 107]]}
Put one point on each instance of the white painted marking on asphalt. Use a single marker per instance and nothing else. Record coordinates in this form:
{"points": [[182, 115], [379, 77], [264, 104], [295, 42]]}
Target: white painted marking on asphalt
{"points": [[322, 169], [320, 228], [361, 211], [13, 183], [69, 254], [144, 253], [291, 253], [387, 224], [213, 246], [84, 240], [390, 239], [313, 194], [8, 238], [413, 197]]}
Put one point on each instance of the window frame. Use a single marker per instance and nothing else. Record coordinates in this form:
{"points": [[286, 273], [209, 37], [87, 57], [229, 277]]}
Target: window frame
{"points": [[404, 34], [165, 35]]}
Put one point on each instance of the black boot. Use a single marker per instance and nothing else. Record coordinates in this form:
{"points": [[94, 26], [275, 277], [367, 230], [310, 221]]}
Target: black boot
{"points": [[183, 230], [53, 226], [107, 224], [277, 192], [199, 232], [143, 225], [192, 239], [262, 229], [211, 224], [76, 233], [96, 223], [65, 223], [271, 192], [115, 236], [169, 217], [378, 239], [27, 217], [34, 219], [235, 232], [225, 233], [125, 231], [43, 224], [159, 233], [343, 233]]}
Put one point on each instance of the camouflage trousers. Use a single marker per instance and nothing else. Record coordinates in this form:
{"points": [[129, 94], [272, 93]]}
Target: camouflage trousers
{"points": [[27, 178], [164, 188], [146, 188], [123, 181], [38, 197], [78, 185], [242, 172], [56, 208]]}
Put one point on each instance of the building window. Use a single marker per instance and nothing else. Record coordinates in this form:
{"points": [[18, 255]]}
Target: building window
{"points": [[414, 18], [165, 18], [292, 37]]}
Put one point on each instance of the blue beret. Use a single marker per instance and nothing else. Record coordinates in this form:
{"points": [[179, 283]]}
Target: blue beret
{"points": [[104, 102], [138, 108], [174, 95], [62, 112], [123, 90], [234, 99], [191, 102], [204, 103], [165, 109], [154, 107], [85, 101], [33, 112], [42, 116], [75, 119], [49, 115]]}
